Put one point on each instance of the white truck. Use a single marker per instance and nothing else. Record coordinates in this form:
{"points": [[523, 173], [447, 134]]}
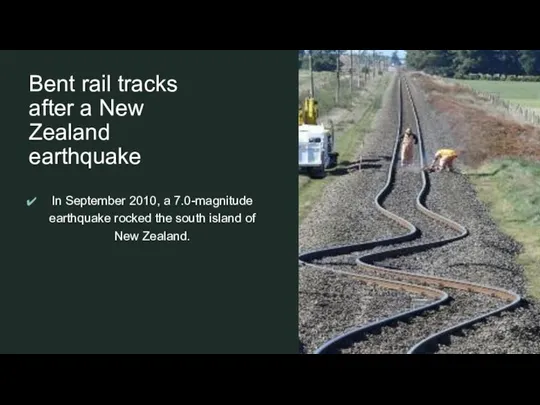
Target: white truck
{"points": [[316, 149]]}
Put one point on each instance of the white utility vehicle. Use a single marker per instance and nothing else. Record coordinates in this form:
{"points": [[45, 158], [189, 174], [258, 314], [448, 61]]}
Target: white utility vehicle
{"points": [[315, 142], [316, 149]]}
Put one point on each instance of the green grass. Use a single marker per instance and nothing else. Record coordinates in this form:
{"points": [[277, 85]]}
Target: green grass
{"points": [[526, 94], [347, 145], [512, 194]]}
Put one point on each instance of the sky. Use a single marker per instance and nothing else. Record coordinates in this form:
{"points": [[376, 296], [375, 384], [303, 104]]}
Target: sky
{"points": [[401, 54], [389, 52]]}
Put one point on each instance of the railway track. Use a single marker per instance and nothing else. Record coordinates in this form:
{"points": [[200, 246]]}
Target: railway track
{"points": [[433, 288]]}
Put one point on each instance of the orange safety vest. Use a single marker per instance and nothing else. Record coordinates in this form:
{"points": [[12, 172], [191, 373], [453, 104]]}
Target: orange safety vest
{"points": [[446, 153]]}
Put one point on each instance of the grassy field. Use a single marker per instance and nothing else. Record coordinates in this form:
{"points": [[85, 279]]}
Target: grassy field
{"points": [[324, 87], [319, 78], [511, 190], [347, 144], [526, 94]]}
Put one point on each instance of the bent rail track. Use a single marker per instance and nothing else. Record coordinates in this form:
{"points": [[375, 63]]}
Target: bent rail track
{"points": [[423, 284]]}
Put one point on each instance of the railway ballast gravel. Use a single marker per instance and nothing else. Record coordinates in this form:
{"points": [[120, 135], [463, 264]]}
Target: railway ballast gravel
{"points": [[398, 339]]}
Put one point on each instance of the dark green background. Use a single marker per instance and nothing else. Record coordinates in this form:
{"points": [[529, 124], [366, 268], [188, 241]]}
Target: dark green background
{"points": [[230, 129]]}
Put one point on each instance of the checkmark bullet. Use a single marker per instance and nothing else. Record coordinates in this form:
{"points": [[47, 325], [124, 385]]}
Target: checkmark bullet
{"points": [[30, 202]]}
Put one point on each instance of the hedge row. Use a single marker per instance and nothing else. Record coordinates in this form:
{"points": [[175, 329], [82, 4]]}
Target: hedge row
{"points": [[509, 78]]}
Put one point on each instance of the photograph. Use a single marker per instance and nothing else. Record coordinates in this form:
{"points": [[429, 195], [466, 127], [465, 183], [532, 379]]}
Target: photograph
{"points": [[419, 201]]}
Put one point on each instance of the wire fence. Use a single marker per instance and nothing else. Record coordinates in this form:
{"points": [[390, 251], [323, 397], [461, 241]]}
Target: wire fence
{"points": [[516, 110]]}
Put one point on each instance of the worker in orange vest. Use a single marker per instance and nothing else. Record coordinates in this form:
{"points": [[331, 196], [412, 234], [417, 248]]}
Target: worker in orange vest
{"points": [[445, 159]]}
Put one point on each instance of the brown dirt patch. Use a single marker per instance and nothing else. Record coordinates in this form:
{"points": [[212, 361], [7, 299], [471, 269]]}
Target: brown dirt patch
{"points": [[482, 134]]}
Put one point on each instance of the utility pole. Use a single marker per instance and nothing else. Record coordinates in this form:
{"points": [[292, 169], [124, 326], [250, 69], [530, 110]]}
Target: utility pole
{"points": [[359, 68], [361, 59], [311, 74], [337, 76], [366, 68], [373, 63], [352, 77]]}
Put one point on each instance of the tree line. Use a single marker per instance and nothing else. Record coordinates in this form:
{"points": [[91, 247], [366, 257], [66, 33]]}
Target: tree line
{"points": [[327, 60], [485, 64], [322, 61]]}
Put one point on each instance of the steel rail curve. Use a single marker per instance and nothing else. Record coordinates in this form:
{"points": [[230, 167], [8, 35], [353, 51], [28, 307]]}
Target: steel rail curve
{"points": [[429, 344]]}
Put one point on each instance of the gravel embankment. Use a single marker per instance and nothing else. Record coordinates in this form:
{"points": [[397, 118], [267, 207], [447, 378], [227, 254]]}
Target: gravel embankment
{"points": [[346, 214]]}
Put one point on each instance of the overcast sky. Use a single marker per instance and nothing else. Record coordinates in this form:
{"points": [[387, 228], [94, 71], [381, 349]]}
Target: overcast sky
{"points": [[401, 53], [389, 53]]}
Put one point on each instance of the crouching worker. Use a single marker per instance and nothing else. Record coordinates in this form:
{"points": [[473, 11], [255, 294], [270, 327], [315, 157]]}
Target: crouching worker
{"points": [[445, 159], [407, 146]]}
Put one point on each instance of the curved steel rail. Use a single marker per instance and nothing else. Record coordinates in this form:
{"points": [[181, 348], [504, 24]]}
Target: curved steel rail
{"points": [[366, 261]]}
